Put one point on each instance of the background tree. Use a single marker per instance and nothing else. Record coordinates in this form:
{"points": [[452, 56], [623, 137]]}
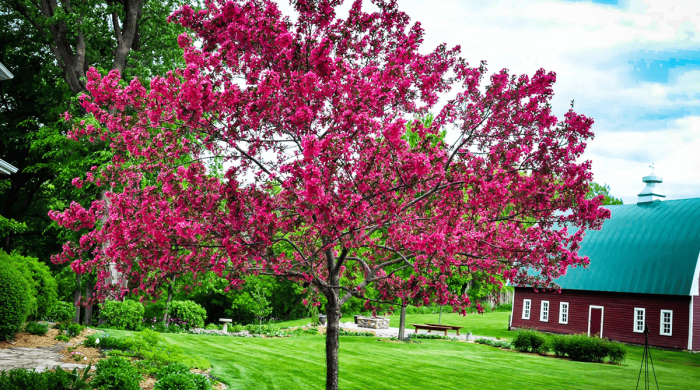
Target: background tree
{"points": [[604, 191], [310, 117], [49, 45]]}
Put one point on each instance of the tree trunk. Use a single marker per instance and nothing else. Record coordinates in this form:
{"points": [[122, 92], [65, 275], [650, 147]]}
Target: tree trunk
{"points": [[76, 298], [332, 342], [402, 321], [170, 298], [87, 319], [440, 316]]}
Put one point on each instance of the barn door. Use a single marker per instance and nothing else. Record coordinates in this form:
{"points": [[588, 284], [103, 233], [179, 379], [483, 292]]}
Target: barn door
{"points": [[595, 321]]}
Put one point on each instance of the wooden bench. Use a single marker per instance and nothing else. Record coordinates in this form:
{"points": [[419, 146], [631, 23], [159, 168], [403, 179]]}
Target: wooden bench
{"points": [[431, 327], [452, 327]]}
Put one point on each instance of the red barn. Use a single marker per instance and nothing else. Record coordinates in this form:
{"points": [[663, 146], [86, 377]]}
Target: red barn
{"points": [[645, 270]]}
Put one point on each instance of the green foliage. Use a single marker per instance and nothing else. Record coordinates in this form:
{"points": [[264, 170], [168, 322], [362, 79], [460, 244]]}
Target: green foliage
{"points": [[116, 372], [506, 307], [495, 343], [238, 328], [147, 346], [123, 315], [36, 328], [529, 340], [213, 327], [427, 336], [59, 379], [74, 330], [62, 312], [433, 309], [597, 189], [582, 347], [42, 286], [14, 290], [179, 381], [170, 369], [62, 337], [191, 314], [349, 333], [177, 376]]}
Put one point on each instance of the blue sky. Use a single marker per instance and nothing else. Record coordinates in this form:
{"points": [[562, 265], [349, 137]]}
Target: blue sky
{"points": [[633, 66]]}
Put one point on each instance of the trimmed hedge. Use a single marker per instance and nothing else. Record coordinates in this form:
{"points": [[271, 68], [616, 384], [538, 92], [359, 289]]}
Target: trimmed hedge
{"points": [[190, 314], [43, 289], [14, 291], [588, 349], [528, 340], [123, 315]]}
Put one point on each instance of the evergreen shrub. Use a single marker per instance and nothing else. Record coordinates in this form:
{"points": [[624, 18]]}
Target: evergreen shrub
{"points": [[62, 312], [123, 315], [191, 314], [14, 292], [42, 287]]}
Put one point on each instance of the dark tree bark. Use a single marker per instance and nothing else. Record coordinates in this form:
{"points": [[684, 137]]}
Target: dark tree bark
{"points": [[76, 298], [332, 342], [87, 313], [70, 52], [170, 298], [402, 321]]}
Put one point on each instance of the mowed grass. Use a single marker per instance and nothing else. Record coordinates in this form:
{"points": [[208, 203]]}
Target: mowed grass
{"points": [[365, 363], [494, 324]]}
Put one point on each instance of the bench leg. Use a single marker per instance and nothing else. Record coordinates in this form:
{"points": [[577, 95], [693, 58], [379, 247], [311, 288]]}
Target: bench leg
{"points": [[445, 332], [416, 330], [457, 332], [429, 330]]}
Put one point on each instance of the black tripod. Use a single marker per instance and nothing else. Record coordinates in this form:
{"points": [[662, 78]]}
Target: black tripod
{"points": [[646, 361]]}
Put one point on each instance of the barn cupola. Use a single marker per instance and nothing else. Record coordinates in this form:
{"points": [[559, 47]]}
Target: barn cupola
{"points": [[651, 193]]}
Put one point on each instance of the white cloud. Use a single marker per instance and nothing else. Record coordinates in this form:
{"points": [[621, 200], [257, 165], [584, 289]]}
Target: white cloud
{"points": [[589, 45]]}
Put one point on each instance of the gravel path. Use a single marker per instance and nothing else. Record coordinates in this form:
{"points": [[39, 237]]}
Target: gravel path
{"points": [[37, 358]]}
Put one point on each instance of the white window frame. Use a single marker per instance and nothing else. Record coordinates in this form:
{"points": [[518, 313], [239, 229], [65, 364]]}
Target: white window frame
{"points": [[635, 320], [563, 312], [527, 308], [670, 323], [544, 314]]}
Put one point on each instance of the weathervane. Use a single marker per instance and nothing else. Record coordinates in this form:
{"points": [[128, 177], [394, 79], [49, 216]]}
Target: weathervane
{"points": [[652, 168]]}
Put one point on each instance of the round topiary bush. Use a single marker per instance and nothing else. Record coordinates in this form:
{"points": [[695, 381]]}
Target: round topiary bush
{"points": [[13, 301], [190, 314], [42, 287], [123, 315]]}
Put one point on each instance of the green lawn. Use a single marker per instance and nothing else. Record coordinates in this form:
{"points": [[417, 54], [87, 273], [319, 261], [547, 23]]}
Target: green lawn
{"points": [[490, 324], [365, 363]]}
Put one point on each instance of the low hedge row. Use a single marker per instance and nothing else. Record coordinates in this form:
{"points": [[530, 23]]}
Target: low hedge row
{"points": [[579, 347]]}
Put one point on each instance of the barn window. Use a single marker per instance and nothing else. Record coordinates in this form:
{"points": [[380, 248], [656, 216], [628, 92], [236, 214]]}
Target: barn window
{"points": [[564, 312], [666, 322], [639, 315], [544, 311], [526, 309]]}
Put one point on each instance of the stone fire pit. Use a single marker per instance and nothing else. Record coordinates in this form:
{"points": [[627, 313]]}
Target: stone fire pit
{"points": [[373, 322]]}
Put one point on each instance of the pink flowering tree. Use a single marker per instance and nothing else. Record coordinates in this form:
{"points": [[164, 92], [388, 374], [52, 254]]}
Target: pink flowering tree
{"points": [[318, 178]]}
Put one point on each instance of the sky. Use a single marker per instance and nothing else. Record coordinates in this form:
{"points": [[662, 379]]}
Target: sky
{"points": [[631, 65]]}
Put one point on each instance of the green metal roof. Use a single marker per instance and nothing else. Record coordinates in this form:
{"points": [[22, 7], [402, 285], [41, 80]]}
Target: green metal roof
{"points": [[651, 248]]}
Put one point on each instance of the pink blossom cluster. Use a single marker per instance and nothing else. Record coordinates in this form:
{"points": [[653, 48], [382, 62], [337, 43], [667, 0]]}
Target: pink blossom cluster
{"points": [[319, 182]]}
